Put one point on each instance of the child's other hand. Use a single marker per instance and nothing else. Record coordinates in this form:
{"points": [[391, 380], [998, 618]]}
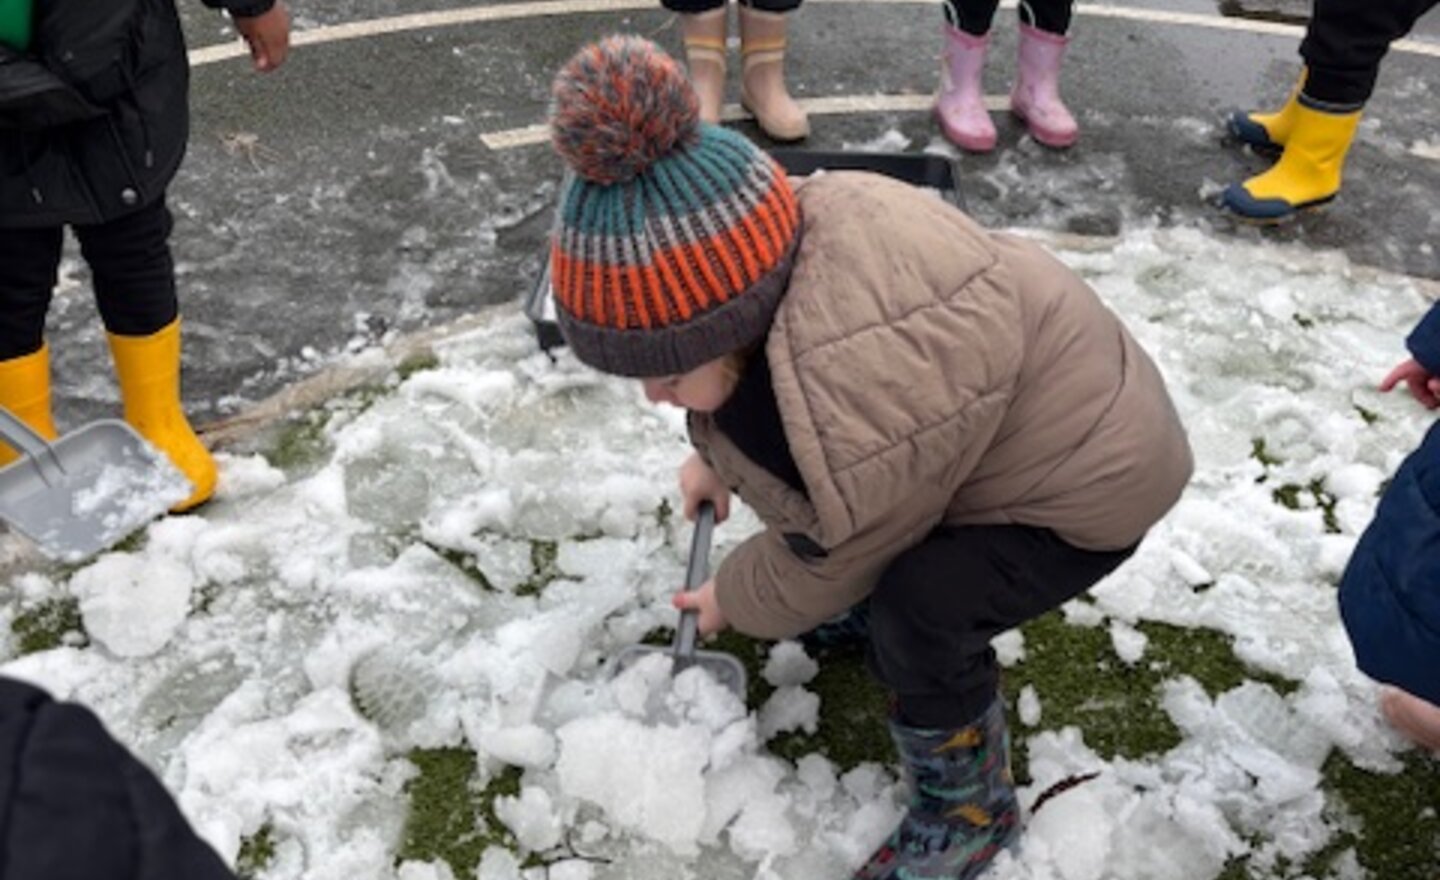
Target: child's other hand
{"points": [[268, 36], [1423, 386], [699, 483], [702, 600]]}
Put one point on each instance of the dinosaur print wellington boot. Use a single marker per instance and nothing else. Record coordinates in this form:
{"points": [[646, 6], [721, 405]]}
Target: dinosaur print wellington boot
{"points": [[963, 810]]}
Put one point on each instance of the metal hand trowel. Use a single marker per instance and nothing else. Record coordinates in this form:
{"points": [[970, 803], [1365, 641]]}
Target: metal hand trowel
{"points": [[725, 668]]}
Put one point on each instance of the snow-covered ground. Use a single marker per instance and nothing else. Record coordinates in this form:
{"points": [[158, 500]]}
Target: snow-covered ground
{"points": [[229, 648]]}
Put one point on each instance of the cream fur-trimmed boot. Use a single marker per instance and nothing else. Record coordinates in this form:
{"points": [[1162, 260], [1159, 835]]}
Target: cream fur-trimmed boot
{"points": [[704, 34], [763, 92]]}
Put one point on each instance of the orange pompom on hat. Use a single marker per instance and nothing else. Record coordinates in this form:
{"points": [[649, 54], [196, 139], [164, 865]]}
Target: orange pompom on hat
{"points": [[675, 238]]}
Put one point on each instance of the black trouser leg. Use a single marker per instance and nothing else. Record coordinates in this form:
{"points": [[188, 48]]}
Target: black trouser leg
{"points": [[29, 267], [1345, 42], [134, 274], [975, 17], [937, 606]]}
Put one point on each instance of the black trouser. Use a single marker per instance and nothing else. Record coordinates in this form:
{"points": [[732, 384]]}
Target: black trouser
{"points": [[975, 16], [133, 275], [1346, 40], [939, 604], [707, 5]]}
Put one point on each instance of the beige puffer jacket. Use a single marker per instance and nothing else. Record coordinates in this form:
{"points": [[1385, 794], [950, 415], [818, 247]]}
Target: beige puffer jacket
{"points": [[929, 372]]}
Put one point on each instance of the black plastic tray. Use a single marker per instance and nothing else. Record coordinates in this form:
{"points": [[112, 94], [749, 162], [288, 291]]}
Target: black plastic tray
{"points": [[920, 169]]}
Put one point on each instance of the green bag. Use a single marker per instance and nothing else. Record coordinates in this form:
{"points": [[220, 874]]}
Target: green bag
{"points": [[15, 23]]}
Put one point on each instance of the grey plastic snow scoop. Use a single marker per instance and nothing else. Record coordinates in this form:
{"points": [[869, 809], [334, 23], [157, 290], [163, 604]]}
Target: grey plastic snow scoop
{"points": [[726, 669], [85, 491]]}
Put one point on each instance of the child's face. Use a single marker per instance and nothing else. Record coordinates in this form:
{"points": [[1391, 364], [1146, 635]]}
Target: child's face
{"points": [[703, 389]]}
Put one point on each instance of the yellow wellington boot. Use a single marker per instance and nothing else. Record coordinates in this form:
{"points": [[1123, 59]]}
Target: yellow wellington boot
{"points": [[1308, 173], [1268, 132], [704, 34], [25, 391], [148, 368], [762, 83]]}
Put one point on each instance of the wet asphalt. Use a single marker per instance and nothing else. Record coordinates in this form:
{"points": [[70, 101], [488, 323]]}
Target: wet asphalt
{"points": [[352, 196]]}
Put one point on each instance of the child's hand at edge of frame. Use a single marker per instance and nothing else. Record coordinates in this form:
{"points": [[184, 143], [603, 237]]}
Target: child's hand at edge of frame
{"points": [[268, 36], [702, 600], [1424, 386]]}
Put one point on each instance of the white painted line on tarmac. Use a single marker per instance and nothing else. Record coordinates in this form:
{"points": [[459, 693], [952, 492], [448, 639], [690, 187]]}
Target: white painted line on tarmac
{"points": [[536, 134], [531, 135], [358, 30]]}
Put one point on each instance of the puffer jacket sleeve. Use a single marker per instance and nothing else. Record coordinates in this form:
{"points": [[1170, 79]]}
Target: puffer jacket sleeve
{"points": [[75, 805], [1390, 592], [777, 585], [242, 8], [1424, 340]]}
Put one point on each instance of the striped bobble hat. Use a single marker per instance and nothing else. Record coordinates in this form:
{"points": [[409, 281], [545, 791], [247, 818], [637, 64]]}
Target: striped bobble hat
{"points": [[674, 239]]}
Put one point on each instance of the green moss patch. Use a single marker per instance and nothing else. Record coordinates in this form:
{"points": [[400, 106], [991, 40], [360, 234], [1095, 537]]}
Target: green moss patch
{"points": [[1398, 818], [853, 715], [417, 363], [1289, 496], [49, 625], [302, 442], [256, 853], [464, 562], [543, 567], [451, 817]]}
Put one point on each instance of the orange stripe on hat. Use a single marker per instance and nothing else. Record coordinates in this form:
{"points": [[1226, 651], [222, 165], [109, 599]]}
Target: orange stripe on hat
{"points": [[679, 302], [678, 292], [577, 284], [758, 257], [698, 256], [597, 289], [690, 285], [765, 212], [557, 277]]}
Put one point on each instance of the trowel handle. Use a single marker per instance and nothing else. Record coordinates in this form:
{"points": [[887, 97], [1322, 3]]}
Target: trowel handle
{"points": [[696, 573], [22, 437]]}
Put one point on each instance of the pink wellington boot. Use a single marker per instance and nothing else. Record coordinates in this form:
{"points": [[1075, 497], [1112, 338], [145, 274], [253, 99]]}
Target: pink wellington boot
{"points": [[1036, 96], [960, 108]]}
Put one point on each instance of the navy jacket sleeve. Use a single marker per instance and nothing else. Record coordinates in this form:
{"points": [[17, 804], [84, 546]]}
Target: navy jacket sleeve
{"points": [[1424, 341], [75, 805], [242, 8]]}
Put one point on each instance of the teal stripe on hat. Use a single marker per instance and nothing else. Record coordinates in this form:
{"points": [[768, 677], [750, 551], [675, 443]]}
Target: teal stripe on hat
{"points": [[673, 190], [639, 215], [588, 216]]}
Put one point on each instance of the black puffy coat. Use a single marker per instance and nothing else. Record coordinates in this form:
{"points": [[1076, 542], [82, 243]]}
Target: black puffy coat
{"points": [[94, 115], [75, 805]]}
